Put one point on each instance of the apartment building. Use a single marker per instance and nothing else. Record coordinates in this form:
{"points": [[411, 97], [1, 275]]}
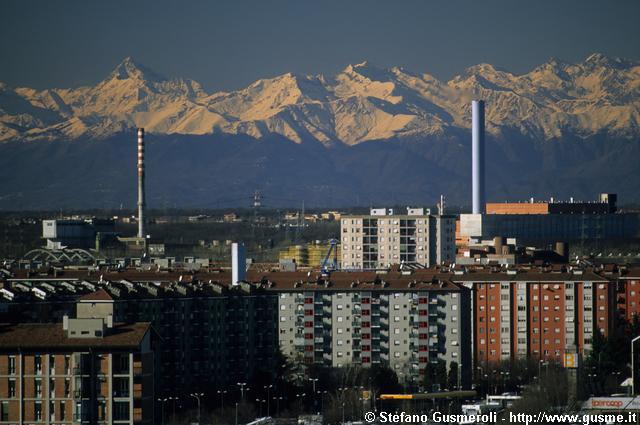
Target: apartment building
{"points": [[537, 312], [79, 371], [403, 321], [627, 291], [211, 334], [384, 238]]}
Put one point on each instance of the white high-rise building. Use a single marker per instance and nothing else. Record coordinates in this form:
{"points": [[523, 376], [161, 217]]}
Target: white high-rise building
{"points": [[384, 238]]}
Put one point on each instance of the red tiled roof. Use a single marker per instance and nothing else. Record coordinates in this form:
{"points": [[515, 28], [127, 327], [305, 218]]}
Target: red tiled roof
{"points": [[50, 336], [99, 295]]}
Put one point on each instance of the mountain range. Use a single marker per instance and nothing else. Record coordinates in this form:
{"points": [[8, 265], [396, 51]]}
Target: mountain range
{"points": [[364, 136]]}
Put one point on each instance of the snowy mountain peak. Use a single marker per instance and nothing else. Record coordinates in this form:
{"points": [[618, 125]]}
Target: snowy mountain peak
{"points": [[130, 69], [599, 60], [363, 102]]}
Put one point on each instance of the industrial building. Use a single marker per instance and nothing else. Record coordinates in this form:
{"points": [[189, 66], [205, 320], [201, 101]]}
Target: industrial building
{"points": [[78, 371], [384, 238], [546, 228], [308, 255], [536, 223], [75, 233]]}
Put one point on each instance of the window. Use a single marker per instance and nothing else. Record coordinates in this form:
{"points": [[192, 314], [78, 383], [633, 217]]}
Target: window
{"points": [[12, 365], [38, 387], [12, 388], [62, 409], [37, 363], [38, 410], [4, 411], [120, 410]]}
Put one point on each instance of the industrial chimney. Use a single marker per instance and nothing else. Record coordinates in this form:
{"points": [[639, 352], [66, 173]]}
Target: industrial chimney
{"points": [[238, 263], [477, 152], [141, 202]]}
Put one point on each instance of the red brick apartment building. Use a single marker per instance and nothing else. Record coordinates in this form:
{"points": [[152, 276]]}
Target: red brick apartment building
{"points": [[537, 313], [627, 292], [82, 371]]}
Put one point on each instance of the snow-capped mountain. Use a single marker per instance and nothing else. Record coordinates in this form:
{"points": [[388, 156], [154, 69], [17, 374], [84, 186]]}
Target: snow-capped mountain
{"points": [[365, 136], [600, 95]]}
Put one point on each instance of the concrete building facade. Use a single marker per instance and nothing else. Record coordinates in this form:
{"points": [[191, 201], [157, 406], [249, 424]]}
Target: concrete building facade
{"points": [[399, 321], [383, 238]]}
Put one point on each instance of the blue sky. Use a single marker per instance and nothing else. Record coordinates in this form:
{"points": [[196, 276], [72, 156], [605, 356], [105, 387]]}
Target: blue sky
{"points": [[226, 45]]}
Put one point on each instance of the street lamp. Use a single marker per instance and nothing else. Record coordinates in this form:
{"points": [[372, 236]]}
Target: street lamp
{"points": [[162, 400], [313, 394], [322, 394], [268, 387], [174, 399], [259, 406], [222, 393], [242, 385], [343, 400], [277, 399], [540, 363], [633, 368], [197, 397]]}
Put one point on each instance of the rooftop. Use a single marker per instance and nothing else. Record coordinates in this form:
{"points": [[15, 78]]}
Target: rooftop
{"points": [[52, 336]]}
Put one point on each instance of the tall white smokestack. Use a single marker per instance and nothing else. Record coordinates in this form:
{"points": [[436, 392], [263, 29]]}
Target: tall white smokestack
{"points": [[477, 160], [238, 263], [141, 201]]}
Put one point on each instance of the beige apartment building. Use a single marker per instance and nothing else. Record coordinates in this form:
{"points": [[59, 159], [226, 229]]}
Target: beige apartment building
{"points": [[384, 238]]}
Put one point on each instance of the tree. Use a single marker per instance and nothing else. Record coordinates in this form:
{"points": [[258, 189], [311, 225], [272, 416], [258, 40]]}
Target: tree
{"points": [[452, 381], [441, 374], [429, 377]]}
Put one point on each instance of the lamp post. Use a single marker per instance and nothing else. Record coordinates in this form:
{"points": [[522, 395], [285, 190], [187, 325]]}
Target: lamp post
{"points": [[300, 397], [633, 367], [322, 394], [222, 393], [313, 394], [197, 397], [259, 407], [174, 399], [236, 413], [242, 385], [268, 387], [540, 363], [277, 399], [343, 400], [162, 401]]}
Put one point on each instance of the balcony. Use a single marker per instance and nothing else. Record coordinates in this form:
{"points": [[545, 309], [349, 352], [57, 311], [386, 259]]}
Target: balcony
{"points": [[137, 391]]}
